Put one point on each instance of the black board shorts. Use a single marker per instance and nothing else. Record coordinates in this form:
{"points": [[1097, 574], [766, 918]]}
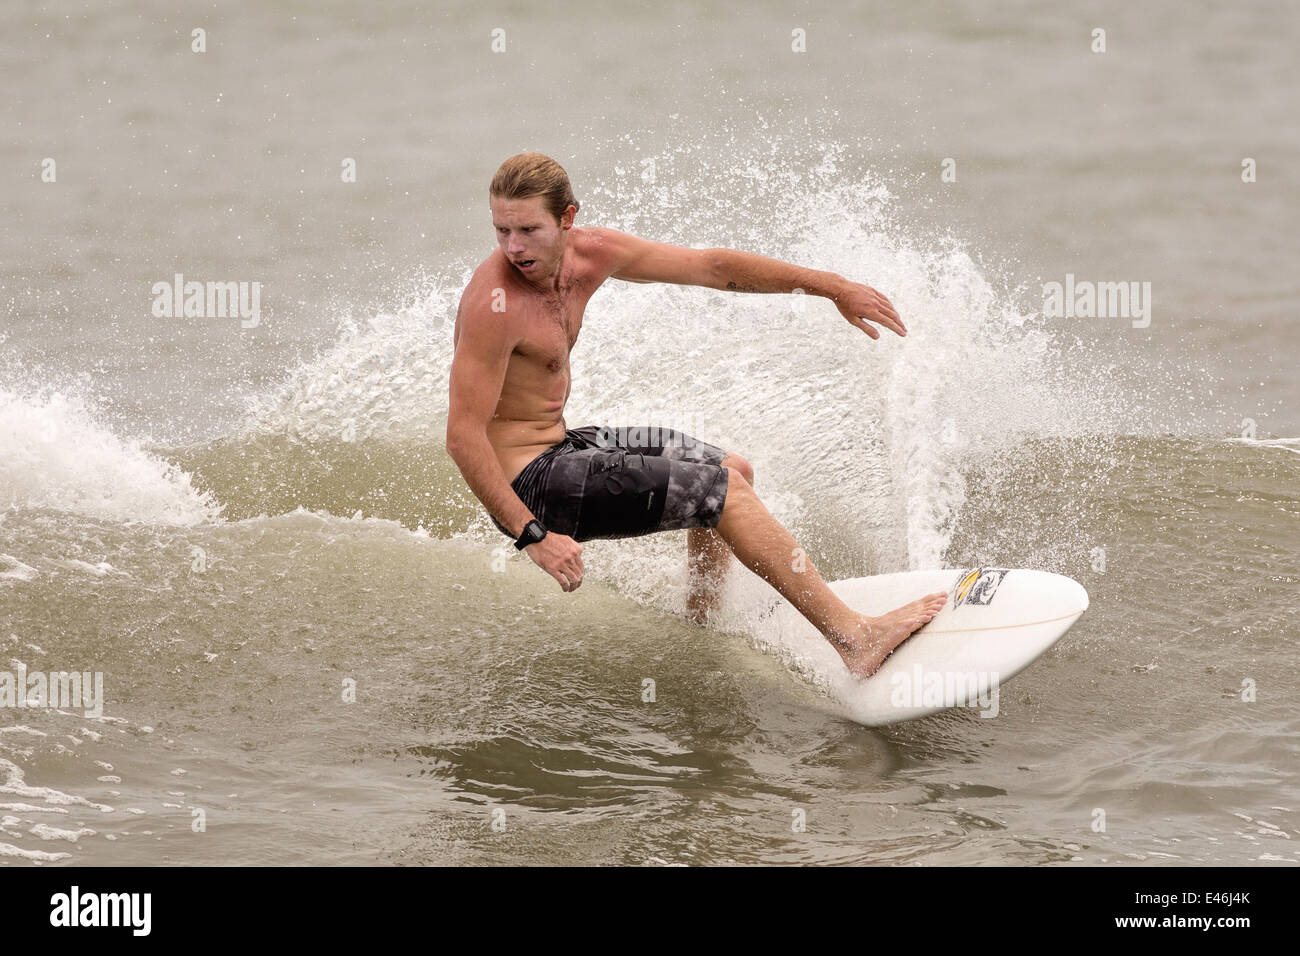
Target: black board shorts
{"points": [[617, 482]]}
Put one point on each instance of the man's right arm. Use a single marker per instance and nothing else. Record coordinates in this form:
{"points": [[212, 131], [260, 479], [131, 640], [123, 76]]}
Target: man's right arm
{"points": [[478, 372]]}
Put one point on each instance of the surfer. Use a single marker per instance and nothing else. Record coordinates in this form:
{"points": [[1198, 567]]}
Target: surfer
{"points": [[550, 487]]}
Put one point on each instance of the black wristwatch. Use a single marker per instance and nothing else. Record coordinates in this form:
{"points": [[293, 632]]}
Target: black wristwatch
{"points": [[532, 533]]}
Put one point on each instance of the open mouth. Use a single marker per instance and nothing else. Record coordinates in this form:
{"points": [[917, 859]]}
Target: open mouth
{"points": [[526, 263]]}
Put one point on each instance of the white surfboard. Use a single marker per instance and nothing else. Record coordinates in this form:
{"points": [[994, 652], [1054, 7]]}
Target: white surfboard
{"points": [[996, 623]]}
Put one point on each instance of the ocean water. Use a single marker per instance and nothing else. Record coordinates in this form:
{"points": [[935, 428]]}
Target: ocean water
{"points": [[314, 647]]}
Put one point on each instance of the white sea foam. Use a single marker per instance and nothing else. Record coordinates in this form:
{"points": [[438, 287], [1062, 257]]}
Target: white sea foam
{"points": [[1285, 444], [11, 569], [59, 456], [47, 832], [385, 376], [36, 856], [31, 808], [14, 783]]}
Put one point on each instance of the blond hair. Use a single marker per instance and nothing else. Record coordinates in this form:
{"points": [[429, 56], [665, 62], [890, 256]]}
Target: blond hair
{"points": [[532, 174]]}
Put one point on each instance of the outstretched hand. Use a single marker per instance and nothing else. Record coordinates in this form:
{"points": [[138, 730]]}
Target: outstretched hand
{"points": [[862, 305]]}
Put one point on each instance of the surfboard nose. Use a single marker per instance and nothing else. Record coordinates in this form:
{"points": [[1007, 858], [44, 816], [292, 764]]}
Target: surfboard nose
{"points": [[1069, 592]]}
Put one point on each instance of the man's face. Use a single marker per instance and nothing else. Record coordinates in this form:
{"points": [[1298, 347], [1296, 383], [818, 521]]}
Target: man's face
{"points": [[529, 235]]}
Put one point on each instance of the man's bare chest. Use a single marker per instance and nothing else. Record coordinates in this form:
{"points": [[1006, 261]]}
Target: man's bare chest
{"points": [[551, 331], [558, 318]]}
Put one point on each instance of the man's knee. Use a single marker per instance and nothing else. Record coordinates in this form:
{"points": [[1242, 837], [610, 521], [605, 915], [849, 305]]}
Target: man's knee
{"points": [[739, 491], [739, 466], [740, 501]]}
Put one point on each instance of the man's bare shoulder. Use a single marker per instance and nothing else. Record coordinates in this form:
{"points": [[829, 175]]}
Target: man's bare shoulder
{"points": [[600, 248], [492, 273], [596, 239], [489, 285], [484, 303]]}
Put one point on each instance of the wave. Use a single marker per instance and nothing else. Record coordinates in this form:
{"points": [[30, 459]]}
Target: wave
{"points": [[60, 456], [863, 448]]}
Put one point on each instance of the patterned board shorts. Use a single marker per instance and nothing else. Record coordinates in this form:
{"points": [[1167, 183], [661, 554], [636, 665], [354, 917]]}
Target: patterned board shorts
{"points": [[607, 482]]}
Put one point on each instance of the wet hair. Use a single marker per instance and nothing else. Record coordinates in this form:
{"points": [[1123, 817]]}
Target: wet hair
{"points": [[532, 174]]}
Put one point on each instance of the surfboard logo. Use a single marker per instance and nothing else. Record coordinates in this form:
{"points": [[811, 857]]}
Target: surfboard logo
{"points": [[978, 586]]}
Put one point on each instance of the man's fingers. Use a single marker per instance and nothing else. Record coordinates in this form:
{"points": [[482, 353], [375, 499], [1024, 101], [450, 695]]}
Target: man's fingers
{"points": [[889, 318], [570, 577], [865, 326], [864, 323], [887, 308], [892, 324]]}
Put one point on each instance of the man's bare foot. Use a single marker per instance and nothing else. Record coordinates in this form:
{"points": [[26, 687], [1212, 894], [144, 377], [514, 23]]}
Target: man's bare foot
{"points": [[697, 612], [875, 638], [702, 598]]}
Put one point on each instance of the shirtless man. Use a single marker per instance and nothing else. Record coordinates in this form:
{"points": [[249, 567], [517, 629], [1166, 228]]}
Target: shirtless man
{"points": [[549, 487]]}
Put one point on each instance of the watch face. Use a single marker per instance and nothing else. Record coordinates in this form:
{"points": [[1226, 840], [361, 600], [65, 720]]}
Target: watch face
{"points": [[532, 533]]}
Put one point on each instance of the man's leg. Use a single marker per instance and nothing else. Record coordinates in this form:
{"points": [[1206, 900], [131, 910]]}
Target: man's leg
{"points": [[708, 557], [764, 546]]}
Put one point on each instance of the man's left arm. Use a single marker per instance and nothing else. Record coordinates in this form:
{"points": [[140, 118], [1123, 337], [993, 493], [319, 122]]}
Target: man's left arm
{"points": [[639, 260]]}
